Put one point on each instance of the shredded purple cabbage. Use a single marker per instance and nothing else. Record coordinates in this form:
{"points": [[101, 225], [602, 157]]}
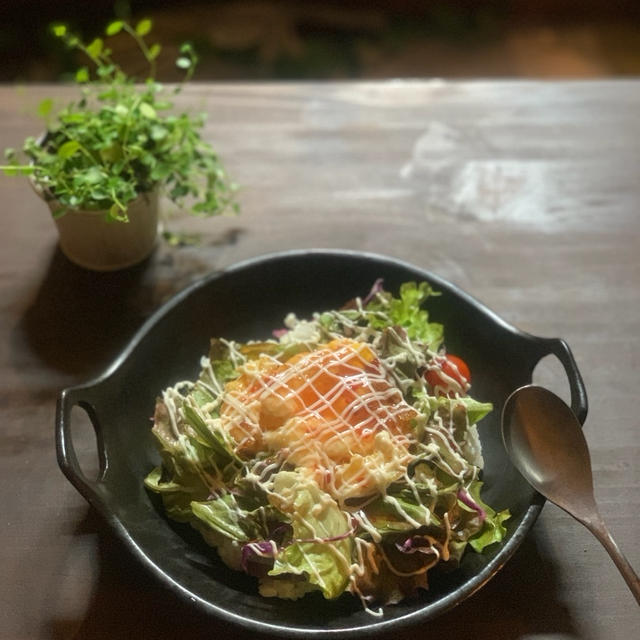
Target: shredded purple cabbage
{"points": [[261, 551], [375, 290], [278, 333], [415, 544], [406, 546], [465, 498]]}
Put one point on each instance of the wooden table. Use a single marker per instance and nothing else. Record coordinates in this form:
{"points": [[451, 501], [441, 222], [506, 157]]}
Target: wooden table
{"points": [[525, 194]]}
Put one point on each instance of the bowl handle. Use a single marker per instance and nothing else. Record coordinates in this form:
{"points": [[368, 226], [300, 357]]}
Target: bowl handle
{"points": [[560, 349], [66, 453]]}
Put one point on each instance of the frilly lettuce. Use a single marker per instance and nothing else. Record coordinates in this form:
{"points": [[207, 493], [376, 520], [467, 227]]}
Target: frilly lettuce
{"points": [[405, 311]]}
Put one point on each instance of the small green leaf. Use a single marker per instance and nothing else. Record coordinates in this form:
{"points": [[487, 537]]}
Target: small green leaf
{"points": [[68, 149], [154, 51], [44, 108], [143, 27], [59, 30], [111, 153], [158, 132], [114, 27], [183, 63], [72, 118], [147, 110], [160, 171], [58, 213], [82, 75], [93, 175], [105, 70], [116, 214], [95, 48], [98, 194], [121, 110], [148, 160]]}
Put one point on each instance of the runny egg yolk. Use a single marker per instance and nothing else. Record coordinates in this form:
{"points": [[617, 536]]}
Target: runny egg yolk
{"points": [[332, 412]]}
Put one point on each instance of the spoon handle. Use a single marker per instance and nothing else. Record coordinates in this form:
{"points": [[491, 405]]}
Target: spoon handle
{"points": [[600, 531]]}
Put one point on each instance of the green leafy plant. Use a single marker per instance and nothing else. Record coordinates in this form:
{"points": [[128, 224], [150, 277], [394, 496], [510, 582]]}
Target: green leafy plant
{"points": [[121, 138]]}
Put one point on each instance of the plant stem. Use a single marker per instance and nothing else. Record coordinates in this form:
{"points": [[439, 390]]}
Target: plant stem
{"points": [[143, 47], [117, 201]]}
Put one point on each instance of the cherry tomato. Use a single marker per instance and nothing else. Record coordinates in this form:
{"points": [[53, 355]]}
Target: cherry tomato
{"points": [[453, 367], [457, 368]]}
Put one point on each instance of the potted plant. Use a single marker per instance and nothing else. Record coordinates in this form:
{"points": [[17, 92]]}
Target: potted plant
{"points": [[106, 156]]}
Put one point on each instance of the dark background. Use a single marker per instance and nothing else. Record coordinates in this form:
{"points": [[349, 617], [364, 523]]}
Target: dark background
{"points": [[288, 39]]}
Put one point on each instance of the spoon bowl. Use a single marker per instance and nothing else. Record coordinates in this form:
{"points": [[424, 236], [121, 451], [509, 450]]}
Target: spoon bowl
{"points": [[545, 442]]}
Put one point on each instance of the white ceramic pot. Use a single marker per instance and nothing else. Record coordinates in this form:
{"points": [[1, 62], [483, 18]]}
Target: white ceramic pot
{"points": [[92, 242]]}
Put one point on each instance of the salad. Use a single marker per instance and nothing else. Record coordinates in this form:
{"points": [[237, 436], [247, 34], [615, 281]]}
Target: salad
{"points": [[342, 455]]}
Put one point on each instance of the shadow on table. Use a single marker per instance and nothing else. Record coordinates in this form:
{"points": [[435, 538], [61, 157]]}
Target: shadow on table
{"points": [[520, 601], [80, 319], [130, 603]]}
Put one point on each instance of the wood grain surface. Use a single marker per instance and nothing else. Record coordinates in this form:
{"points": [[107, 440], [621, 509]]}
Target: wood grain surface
{"points": [[525, 194]]}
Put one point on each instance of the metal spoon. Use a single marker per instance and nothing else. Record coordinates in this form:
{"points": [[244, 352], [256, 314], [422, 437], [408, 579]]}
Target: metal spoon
{"points": [[545, 443]]}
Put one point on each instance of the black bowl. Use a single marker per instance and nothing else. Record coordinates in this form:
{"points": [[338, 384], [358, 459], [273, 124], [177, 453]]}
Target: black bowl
{"points": [[245, 302]]}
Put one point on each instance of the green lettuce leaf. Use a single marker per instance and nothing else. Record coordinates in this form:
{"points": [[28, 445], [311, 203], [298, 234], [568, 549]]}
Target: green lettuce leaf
{"points": [[393, 513], [218, 449], [201, 395], [313, 515], [178, 506], [225, 516], [195, 458], [154, 482], [475, 410], [182, 462], [493, 529], [429, 405], [405, 311], [222, 364], [386, 516]]}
